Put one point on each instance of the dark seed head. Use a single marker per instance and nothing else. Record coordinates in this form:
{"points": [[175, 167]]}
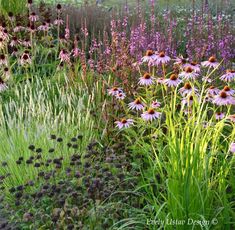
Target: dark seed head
{"points": [[31, 147]]}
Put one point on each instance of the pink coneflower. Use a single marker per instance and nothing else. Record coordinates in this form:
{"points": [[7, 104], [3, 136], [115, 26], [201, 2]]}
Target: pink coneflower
{"points": [[6, 72], [18, 28], [2, 43], [26, 43], [124, 123], [155, 104], [14, 42], [25, 59], [173, 81], [223, 99], [11, 16], [188, 101], [150, 56], [228, 90], [150, 115], [219, 116], [162, 58], [232, 117], [161, 80], [188, 73], [212, 90], [3, 85], [114, 91], [147, 79], [43, 27], [194, 65], [3, 60], [64, 56], [181, 61], [229, 76], [120, 96], [232, 147], [58, 22], [211, 62], [137, 105], [187, 89], [33, 17]]}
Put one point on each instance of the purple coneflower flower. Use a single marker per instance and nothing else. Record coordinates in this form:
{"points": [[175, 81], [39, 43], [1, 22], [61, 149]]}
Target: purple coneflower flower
{"points": [[223, 99], [64, 56], [14, 42], [188, 73], [58, 22], [2, 43], [43, 27], [173, 81], [194, 65], [114, 91], [161, 80], [147, 79], [150, 115], [26, 42], [150, 56], [232, 147], [212, 90], [124, 123], [162, 58], [3, 60], [219, 116], [120, 96], [232, 117], [228, 90], [229, 76], [25, 59], [188, 100], [155, 104], [187, 89], [137, 104], [18, 28], [211, 62], [181, 61], [6, 72], [33, 17], [3, 85]]}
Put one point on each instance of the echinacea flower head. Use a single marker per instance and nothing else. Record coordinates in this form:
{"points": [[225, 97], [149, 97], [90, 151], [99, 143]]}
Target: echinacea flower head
{"points": [[150, 115], [3, 60], [161, 80], [33, 17], [120, 96], [137, 105], [3, 85], [64, 56], [149, 57], [212, 90], [188, 73], [232, 118], [114, 91], [194, 65], [25, 59], [232, 147], [187, 89], [181, 61], [124, 123], [162, 58], [211, 62], [188, 101], [146, 80], [173, 81], [228, 90], [229, 76], [155, 104], [223, 99], [219, 116]]}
